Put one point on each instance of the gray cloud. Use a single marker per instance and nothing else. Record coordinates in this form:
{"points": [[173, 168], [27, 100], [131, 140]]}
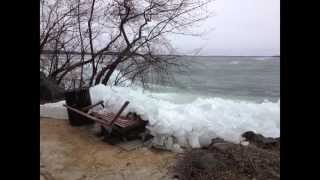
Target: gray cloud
{"points": [[239, 27]]}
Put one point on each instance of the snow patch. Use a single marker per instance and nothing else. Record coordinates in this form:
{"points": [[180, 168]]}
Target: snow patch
{"points": [[54, 110]]}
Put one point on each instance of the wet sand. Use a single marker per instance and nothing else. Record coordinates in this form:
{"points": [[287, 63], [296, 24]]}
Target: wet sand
{"points": [[74, 153]]}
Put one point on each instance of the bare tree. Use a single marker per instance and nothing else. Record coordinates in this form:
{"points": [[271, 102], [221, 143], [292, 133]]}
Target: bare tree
{"points": [[55, 20], [131, 32], [55, 24]]}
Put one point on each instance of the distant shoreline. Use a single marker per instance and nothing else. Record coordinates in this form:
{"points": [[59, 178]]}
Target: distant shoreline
{"points": [[227, 55], [114, 53]]}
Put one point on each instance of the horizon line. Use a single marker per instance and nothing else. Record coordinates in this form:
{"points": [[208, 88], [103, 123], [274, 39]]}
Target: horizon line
{"points": [[112, 53]]}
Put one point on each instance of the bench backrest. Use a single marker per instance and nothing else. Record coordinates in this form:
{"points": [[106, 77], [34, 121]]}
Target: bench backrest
{"points": [[119, 112], [96, 119]]}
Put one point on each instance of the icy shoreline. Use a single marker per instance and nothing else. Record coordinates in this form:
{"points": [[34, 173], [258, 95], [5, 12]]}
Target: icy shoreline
{"points": [[192, 124]]}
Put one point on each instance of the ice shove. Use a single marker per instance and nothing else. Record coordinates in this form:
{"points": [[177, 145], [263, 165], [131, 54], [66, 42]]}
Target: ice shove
{"points": [[194, 123]]}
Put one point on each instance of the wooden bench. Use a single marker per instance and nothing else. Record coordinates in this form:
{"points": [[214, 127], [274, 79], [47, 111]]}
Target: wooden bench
{"points": [[111, 121]]}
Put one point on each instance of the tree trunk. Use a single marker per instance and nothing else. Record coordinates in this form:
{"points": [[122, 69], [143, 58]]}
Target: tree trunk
{"points": [[100, 74], [109, 73]]}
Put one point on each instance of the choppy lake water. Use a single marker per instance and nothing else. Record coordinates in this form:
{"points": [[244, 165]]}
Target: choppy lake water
{"points": [[244, 78]]}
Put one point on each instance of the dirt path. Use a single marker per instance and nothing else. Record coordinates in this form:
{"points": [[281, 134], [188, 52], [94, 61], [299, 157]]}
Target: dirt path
{"points": [[73, 153]]}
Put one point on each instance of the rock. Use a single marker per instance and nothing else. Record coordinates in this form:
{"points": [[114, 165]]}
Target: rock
{"points": [[50, 90], [223, 146], [225, 160], [217, 140], [208, 162], [261, 141]]}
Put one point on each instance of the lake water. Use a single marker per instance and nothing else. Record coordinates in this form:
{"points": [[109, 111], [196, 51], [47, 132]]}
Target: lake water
{"points": [[244, 78]]}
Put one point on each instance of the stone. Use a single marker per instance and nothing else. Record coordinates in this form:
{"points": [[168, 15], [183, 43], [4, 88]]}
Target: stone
{"points": [[208, 162], [261, 141], [223, 146], [217, 140]]}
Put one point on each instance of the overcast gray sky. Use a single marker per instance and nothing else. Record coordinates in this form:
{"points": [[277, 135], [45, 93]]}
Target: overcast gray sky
{"points": [[239, 27]]}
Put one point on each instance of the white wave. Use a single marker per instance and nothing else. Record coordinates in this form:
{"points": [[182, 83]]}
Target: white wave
{"points": [[263, 58], [234, 62]]}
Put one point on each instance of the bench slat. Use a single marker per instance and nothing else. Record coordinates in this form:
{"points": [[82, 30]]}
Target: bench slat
{"points": [[85, 114], [122, 122], [107, 119]]}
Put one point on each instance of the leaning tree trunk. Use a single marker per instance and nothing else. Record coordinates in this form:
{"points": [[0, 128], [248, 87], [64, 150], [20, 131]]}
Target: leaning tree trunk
{"points": [[109, 73], [100, 75]]}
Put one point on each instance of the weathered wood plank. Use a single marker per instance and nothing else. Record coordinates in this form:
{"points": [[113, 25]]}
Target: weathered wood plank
{"points": [[86, 115], [120, 111]]}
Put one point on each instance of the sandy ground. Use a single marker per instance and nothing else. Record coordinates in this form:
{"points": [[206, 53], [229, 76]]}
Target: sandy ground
{"points": [[73, 153]]}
